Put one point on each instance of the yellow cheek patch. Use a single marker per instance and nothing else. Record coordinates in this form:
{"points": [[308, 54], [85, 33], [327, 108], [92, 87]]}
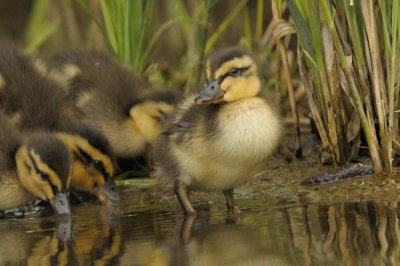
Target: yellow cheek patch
{"points": [[240, 87], [85, 177], [80, 177], [237, 62], [28, 177]]}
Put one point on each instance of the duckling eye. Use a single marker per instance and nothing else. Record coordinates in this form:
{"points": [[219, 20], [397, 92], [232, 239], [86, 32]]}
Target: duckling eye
{"points": [[98, 165], [234, 72], [44, 176]]}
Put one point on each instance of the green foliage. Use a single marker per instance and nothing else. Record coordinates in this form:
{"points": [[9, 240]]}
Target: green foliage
{"points": [[39, 29], [224, 25], [125, 27]]}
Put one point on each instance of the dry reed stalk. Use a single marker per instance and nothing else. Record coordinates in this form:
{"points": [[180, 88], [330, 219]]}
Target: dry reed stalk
{"points": [[371, 139], [350, 69], [285, 63]]}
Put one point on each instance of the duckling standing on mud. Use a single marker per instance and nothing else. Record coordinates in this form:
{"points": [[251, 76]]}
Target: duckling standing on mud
{"points": [[33, 166], [33, 103], [111, 98], [222, 137]]}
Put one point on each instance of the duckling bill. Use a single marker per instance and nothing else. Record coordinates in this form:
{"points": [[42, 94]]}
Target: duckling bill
{"points": [[222, 137]]}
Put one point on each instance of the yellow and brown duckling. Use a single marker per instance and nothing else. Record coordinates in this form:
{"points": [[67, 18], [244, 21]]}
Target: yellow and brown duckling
{"points": [[34, 103], [33, 166], [221, 138], [111, 98], [94, 163]]}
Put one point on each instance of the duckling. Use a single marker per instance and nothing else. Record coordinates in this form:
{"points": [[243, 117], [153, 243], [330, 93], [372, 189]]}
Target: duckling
{"points": [[34, 103], [221, 138], [37, 242], [92, 157], [33, 166], [110, 97]]}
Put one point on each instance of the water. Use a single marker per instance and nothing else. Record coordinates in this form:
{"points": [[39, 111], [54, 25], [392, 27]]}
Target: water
{"points": [[149, 229]]}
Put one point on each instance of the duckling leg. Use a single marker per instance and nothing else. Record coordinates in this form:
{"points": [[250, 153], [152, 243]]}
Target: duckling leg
{"points": [[230, 201], [182, 193], [186, 229]]}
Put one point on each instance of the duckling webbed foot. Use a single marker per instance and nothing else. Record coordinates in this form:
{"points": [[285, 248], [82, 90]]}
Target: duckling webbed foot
{"points": [[182, 193], [230, 202]]}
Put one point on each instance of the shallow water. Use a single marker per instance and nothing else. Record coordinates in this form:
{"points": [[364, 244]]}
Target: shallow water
{"points": [[149, 229]]}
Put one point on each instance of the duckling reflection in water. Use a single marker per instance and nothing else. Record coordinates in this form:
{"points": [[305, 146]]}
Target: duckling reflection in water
{"points": [[37, 243], [111, 98], [33, 166], [221, 138], [34, 103], [218, 244], [98, 241]]}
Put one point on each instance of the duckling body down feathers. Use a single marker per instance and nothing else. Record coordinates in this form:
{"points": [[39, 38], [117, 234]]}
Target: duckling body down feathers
{"points": [[221, 138], [215, 147], [110, 97]]}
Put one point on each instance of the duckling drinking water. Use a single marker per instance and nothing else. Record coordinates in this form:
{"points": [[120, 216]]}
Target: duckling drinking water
{"points": [[222, 137], [34, 103], [32, 166]]}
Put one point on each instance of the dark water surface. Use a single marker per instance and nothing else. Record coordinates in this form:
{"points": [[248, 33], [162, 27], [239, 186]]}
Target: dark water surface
{"points": [[141, 232]]}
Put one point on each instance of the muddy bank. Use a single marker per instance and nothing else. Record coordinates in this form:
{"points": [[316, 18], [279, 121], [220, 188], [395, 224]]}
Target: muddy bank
{"points": [[280, 183]]}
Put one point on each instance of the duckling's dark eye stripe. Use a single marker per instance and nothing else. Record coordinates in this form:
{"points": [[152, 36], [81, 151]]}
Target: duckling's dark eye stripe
{"points": [[240, 69], [162, 113], [87, 159], [100, 167], [84, 156], [43, 176], [158, 119], [34, 163], [28, 167], [53, 188]]}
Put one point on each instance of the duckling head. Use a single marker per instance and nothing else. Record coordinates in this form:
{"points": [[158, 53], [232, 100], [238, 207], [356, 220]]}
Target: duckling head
{"points": [[231, 75], [93, 163], [44, 169]]}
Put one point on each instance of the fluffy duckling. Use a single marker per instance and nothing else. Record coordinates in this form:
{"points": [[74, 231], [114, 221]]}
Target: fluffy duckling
{"points": [[37, 165], [110, 97], [34, 103], [222, 137]]}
